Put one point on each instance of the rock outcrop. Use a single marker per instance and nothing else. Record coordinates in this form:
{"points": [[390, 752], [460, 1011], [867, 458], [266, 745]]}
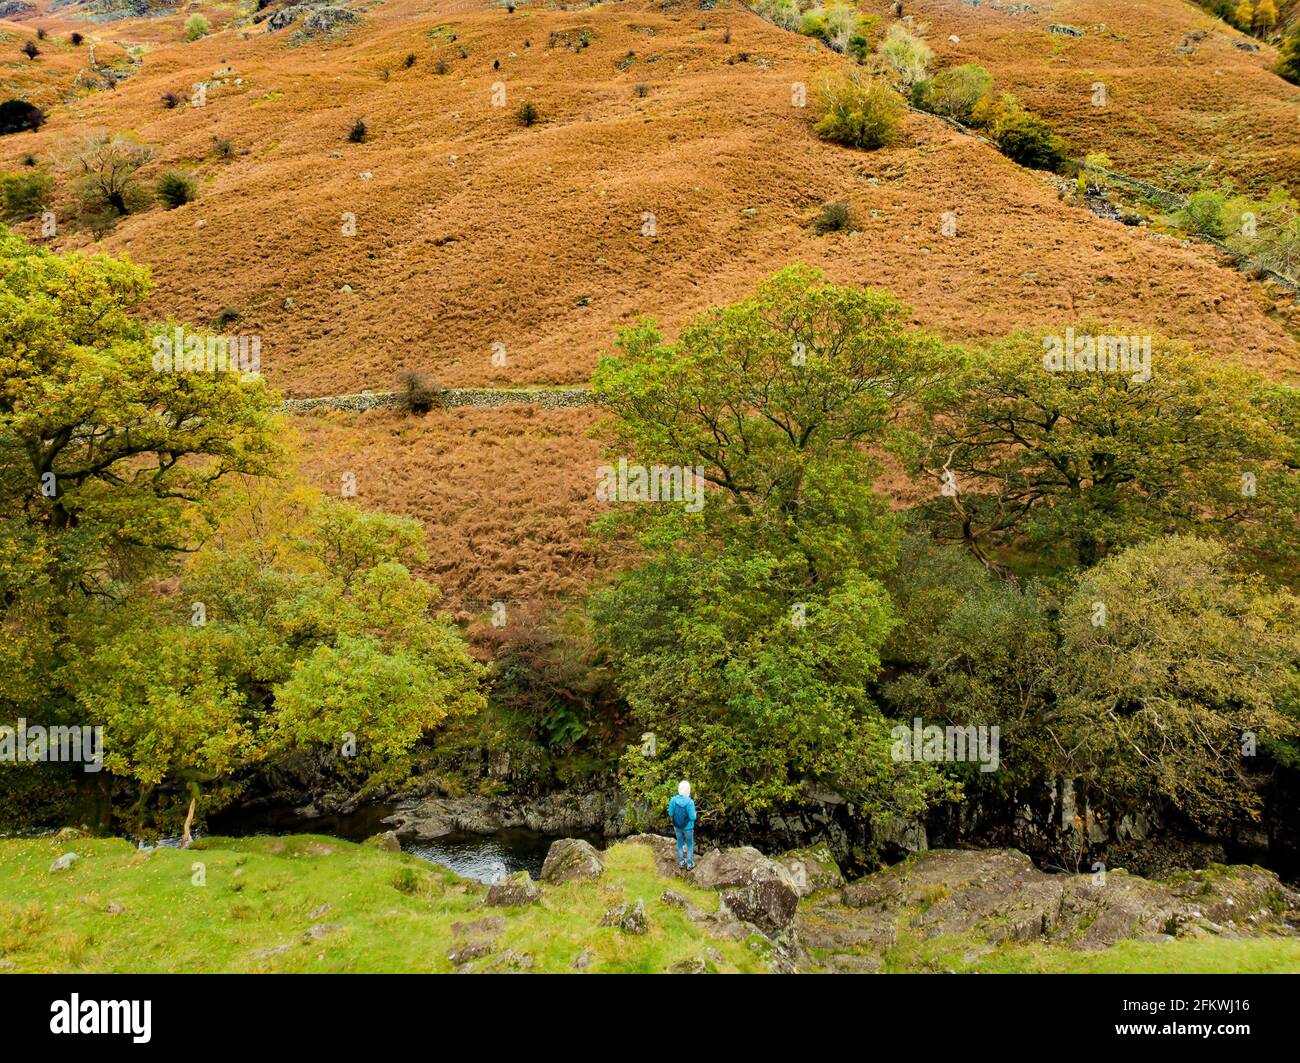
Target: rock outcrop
{"points": [[572, 860], [518, 889], [993, 896], [558, 813]]}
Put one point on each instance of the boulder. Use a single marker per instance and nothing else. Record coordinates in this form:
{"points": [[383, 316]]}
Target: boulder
{"points": [[812, 869], [386, 842], [629, 918], [769, 899], [724, 867], [694, 965], [514, 891], [64, 862], [572, 860], [664, 849]]}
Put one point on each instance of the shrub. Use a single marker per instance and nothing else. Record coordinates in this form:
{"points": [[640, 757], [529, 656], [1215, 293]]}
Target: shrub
{"points": [[409, 61], [224, 148], [25, 194], [196, 26], [1203, 214], [783, 13], [905, 55], [417, 394], [954, 93], [19, 115], [859, 111], [358, 133], [641, 89], [834, 217], [172, 100], [107, 166], [30, 50], [226, 317], [840, 26], [41, 33], [1021, 135], [527, 114], [1092, 173], [176, 188], [440, 67], [76, 39]]}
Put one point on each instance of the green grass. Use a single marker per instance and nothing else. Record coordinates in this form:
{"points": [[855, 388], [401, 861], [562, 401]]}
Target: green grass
{"points": [[393, 912], [1210, 955]]}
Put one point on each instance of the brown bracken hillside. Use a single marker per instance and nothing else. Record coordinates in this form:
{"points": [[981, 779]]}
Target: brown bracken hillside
{"points": [[668, 171]]}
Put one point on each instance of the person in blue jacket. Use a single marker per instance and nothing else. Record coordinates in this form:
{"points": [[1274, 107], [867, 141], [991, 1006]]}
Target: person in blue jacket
{"points": [[681, 812]]}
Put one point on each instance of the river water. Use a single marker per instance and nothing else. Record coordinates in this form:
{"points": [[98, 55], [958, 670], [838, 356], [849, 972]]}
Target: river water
{"points": [[486, 857]]}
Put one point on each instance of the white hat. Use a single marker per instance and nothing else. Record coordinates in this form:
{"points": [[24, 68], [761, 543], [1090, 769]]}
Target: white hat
{"points": [[684, 788]]}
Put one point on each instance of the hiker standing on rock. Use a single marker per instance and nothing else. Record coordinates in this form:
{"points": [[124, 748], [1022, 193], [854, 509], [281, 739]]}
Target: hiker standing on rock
{"points": [[681, 811]]}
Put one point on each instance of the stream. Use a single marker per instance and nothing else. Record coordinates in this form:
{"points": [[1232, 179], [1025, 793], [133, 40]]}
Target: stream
{"points": [[486, 857]]}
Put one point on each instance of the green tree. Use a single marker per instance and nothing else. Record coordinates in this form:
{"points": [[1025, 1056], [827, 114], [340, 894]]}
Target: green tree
{"points": [[324, 641], [746, 639], [1173, 668], [108, 466], [1075, 464]]}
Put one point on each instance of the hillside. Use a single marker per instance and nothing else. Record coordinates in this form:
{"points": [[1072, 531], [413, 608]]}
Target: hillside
{"points": [[473, 231]]}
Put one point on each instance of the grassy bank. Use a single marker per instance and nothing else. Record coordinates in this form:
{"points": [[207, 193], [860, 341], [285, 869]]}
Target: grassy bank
{"points": [[314, 904], [118, 909]]}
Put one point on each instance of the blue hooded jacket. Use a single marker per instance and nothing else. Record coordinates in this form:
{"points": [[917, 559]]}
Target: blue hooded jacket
{"points": [[678, 799]]}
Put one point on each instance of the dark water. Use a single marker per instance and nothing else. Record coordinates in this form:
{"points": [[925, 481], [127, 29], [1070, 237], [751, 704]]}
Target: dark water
{"points": [[486, 857]]}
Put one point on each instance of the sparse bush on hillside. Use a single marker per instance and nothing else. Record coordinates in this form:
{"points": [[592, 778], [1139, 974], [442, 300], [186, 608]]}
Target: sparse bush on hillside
{"points": [[223, 147], [76, 40], [226, 317], [196, 26], [527, 114], [641, 89], [1020, 135], [19, 115], [858, 110], [834, 217], [1092, 178], [409, 61], [783, 13], [1203, 214], [418, 395], [107, 165], [358, 133], [25, 194], [953, 93], [30, 50], [440, 67], [905, 55], [176, 188], [41, 33], [172, 100]]}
